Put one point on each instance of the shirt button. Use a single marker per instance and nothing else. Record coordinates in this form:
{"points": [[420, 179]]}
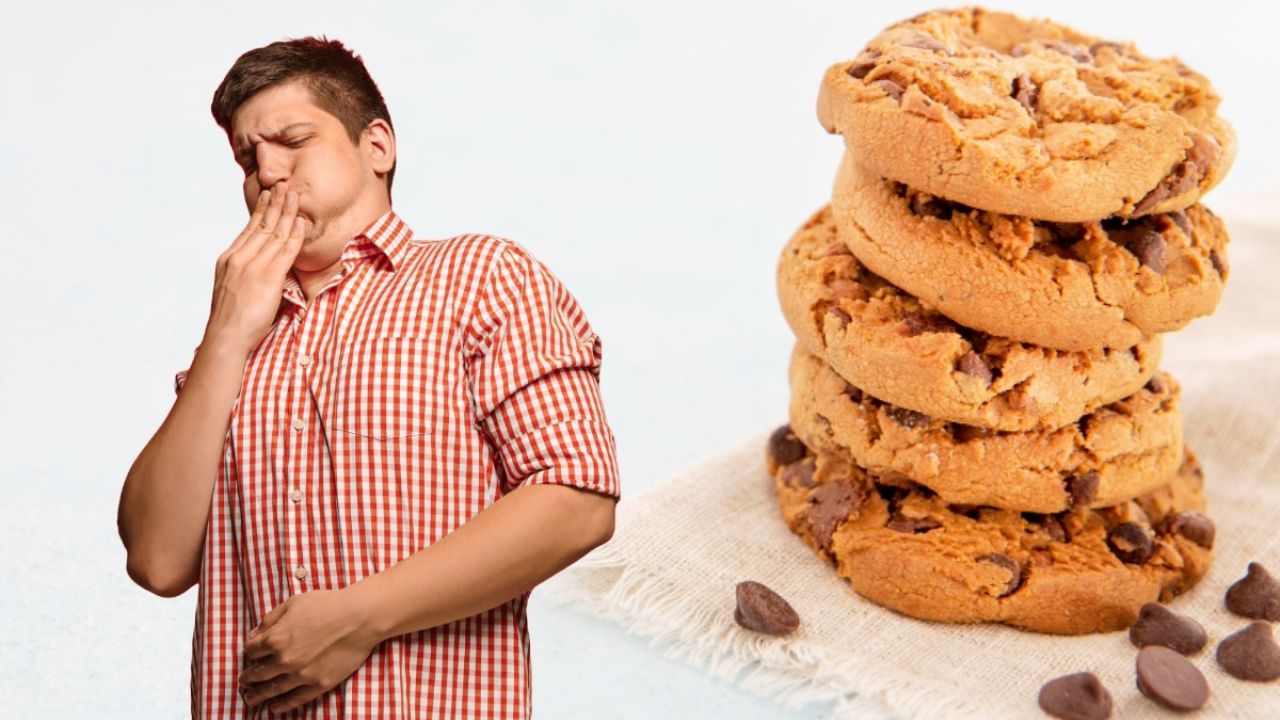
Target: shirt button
{"points": [[304, 360], [296, 495], [300, 572], [298, 424]]}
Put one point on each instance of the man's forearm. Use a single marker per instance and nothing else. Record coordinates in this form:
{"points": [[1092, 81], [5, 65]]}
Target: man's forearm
{"points": [[164, 504], [508, 548]]}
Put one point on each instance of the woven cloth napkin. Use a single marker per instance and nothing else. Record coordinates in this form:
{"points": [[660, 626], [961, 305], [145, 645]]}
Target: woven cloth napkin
{"points": [[669, 572]]}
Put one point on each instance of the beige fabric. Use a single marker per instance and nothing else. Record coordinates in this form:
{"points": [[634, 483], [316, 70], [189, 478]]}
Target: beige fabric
{"points": [[669, 573]]}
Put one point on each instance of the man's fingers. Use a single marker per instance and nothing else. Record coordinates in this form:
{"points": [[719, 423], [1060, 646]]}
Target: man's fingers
{"points": [[269, 219], [295, 698], [255, 217], [289, 248]]}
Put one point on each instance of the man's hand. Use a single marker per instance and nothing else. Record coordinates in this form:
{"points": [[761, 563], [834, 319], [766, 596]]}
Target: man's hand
{"points": [[304, 647], [250, 273]]}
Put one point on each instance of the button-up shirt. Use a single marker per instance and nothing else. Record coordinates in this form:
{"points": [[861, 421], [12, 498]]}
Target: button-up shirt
{"points": [[426, 379]]}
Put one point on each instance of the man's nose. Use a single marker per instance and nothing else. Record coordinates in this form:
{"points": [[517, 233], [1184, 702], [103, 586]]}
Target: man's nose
{"points": [[272, 169]]}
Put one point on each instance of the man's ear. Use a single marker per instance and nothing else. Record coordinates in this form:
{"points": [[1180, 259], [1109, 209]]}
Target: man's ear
{"points": [[379, 142]]}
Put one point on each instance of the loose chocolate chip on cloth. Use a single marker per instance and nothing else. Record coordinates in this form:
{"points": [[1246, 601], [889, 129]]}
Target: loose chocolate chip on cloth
{"points": [[683, 540], [1079, 696], [1170, 679], [1251, 654]]}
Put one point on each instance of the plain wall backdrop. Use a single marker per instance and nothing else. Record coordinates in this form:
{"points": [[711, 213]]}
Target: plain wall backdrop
{"points": [[655, 155]]}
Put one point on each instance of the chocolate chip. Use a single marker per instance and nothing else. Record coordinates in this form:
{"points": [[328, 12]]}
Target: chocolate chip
{"points": [[1251, 654], [924, 42], [763, 610], [1083, 489], [1075, 52], [1170, 679], [1055, 529], [1009, 564], [1203, 154], [1150, 248], [1216, 259], [973, 364], [1194, 526], [859, 69], [1184, 176], [1256, 595], [1179, 218], [966, 433], [1076, 697], [929, 206], [1025, 92], [784, 447], [841, 316], [1158, 194], [798, 475], [1114, 46], [920, 323], [906, 418], [1156, 385], [891, 88], [904, 524], [853, 392], [1158, 625], [831, 504], [1130, 543], [846, 288]]}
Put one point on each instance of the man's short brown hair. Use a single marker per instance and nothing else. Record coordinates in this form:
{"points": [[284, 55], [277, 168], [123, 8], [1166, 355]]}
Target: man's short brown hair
{"points": [[336, 78]]}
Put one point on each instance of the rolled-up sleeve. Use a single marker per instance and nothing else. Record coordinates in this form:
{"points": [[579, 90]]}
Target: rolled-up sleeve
{"points": [[534, 373], [180, 378]]}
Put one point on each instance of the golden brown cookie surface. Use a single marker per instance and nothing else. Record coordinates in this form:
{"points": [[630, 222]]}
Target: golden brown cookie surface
{"points": [[1028, 117], [890, 345], [1065, 286], [1072, 573]]}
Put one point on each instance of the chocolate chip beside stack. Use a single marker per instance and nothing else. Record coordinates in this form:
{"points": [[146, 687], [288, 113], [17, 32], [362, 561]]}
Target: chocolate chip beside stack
{"points": [[763, 610], [1170, 679]]}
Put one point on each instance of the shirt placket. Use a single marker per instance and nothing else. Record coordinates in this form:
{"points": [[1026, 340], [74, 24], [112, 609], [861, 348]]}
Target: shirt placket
{"points": [[306, 435]]}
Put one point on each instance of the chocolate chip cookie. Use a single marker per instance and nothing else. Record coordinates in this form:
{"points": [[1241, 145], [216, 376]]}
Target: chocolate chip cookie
{"points": [[1028, 117], [899, 350], [1118, 451], [1060, 285], [1075, 572]]}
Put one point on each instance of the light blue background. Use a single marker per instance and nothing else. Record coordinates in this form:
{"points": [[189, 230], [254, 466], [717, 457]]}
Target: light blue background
{"points": [[655, 155]]}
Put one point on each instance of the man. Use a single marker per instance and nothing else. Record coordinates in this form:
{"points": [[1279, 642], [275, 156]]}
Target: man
{"points": [[382, 443]]}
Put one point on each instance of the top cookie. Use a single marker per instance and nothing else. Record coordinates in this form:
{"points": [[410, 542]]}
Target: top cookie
{"points": [[1028, 117]]}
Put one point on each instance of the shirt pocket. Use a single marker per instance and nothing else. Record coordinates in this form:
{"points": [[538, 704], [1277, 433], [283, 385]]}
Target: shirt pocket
{"points": [[384, 391]]}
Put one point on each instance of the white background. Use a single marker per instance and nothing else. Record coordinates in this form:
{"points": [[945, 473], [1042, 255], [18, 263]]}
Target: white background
{"points": [[655, 155]]}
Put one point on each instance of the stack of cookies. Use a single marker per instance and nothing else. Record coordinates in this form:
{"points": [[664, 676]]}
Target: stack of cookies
{"points": [[979, 429]]}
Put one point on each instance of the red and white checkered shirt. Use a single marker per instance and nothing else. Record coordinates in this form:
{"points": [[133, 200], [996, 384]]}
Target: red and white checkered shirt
{"points": [[426, 380]]}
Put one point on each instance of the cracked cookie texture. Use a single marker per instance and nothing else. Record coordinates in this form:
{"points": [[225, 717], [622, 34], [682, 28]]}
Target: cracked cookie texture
{"points": [[1070, 286], [1119, 451], [1076, 572], [899, 350], [1028, 117]]}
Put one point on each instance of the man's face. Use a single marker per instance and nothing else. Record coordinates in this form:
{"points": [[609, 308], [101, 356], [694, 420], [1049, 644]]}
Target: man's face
{"points": [[280, 136]]}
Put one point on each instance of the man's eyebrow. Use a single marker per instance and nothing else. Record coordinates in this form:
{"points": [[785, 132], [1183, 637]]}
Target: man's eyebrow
{"points": [[242, 149]]}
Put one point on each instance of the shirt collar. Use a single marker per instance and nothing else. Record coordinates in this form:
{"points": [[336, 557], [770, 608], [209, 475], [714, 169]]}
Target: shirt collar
{"points": [[389, 234]]}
